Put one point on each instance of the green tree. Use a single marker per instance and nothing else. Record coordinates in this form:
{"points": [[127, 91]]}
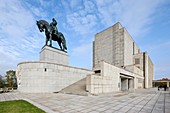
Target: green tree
{"points": [[2, 82], [11, 80]]}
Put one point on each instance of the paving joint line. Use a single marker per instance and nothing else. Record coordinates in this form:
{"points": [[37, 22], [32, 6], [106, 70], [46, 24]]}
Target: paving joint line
{"points": [[140, 101], [156, 101], [126, 105], [164, 102], [149, 101]]}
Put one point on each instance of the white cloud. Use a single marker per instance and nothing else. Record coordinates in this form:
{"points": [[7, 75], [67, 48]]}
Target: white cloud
{"points": [[82, 24], [21, 40], [134, 15], [139, 15], [82, 21], [108, 11], [89, 6], [75, 4], [18, 39]]}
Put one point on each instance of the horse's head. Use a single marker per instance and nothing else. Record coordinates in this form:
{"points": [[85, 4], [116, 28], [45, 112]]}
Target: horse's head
{"points": [[40, 26]]}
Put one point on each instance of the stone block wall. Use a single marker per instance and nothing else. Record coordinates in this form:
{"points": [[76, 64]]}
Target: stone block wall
{"points": [[109, 79], [128, 49], [139, 82], [149, 71], [134, 69], [47, 77], [138, 61], [54, 55], [136, 49], [105, 82], [118, 48], [145, 64], [107, 46], [114, 45]]}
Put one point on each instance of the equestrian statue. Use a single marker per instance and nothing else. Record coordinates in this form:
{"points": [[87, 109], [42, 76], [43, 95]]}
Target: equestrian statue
{"points": [[52, 33]]}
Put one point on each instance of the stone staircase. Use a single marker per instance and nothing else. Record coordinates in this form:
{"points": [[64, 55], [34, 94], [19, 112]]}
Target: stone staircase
{"points": [[78, 88]]}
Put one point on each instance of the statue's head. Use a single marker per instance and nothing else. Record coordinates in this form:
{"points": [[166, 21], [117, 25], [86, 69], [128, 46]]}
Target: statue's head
{"points": [[53, 19], [40, 26]]}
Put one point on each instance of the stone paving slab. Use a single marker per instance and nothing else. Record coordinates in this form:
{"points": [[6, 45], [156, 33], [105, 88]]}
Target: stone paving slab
{"points": [[144, 101]]}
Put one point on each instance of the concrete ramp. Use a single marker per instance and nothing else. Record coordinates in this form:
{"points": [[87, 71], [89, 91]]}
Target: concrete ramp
{"points": [[78, 88]]}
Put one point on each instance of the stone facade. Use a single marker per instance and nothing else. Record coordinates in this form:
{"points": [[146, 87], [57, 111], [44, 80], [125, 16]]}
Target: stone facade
{"points": [[118, 65], [143, 62], [116, 47], [107, 46], [112, 79], [54, 55], [47, 76]]}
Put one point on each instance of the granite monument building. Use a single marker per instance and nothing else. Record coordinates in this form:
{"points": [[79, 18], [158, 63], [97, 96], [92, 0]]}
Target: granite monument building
{"points": [[52, 72], [118, 65]]}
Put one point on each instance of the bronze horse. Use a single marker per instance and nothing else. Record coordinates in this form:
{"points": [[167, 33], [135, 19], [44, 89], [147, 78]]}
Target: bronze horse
{"points": [[59, 37]]}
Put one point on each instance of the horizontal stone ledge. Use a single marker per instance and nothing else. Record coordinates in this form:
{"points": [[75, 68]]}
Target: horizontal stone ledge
{"points": [[46, 62]]}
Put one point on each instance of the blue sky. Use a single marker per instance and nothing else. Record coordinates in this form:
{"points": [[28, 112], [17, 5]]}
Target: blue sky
{"points": [[147, 21]]}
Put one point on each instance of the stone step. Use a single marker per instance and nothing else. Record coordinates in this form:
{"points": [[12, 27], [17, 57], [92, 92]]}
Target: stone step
{"points": [[78, 88]]}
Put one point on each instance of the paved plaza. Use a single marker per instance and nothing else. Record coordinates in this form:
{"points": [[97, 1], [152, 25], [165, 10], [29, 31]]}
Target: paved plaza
{"points": [[142, 101]]}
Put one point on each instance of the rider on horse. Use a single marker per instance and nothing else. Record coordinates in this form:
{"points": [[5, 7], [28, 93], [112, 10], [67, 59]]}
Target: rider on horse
{"points": [[52, 33], [54, 29]]}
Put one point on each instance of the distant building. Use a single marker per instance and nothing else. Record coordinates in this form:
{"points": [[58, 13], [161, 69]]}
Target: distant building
{"points": [[118, 62], [162, 82]]}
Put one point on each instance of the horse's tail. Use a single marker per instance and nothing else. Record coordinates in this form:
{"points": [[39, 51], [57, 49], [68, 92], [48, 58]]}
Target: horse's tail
{"points": [[63, 41]]}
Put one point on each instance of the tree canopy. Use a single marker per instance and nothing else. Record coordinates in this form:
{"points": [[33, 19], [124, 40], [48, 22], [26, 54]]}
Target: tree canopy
{"points": [[11, 80]]}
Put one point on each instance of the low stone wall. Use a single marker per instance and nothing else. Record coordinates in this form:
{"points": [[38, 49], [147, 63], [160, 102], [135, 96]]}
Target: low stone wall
{"points": [[96, 84], [105, 82], [110, 79], [43, 77]]}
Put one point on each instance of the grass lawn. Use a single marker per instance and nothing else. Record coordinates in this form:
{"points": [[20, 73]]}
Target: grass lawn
{"points": [[18, 106]]}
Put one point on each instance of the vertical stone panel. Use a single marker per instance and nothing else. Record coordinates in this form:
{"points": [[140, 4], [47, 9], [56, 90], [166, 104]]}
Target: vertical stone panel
{"points": [[108, 46], [54, 55]]}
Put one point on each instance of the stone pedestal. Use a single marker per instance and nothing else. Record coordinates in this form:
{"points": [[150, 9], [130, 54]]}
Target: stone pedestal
{"points": [[51, 74], [54, 55]]}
